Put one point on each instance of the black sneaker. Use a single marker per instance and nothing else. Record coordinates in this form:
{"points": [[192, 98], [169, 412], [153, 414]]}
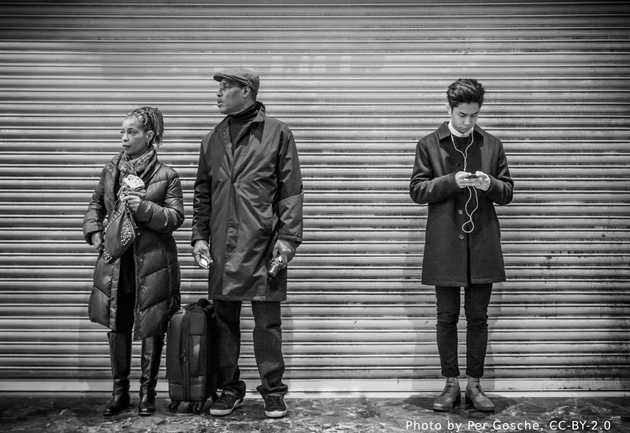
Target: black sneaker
{"points": [[275, 406], [226, 404]]}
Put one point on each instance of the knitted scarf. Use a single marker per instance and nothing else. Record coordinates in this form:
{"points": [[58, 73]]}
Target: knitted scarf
{"points": [[136, 166]]}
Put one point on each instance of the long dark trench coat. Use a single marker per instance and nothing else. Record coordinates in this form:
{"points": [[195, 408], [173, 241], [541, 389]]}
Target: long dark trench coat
{"points": [[244, 200], [446, 255], [157, 271]]}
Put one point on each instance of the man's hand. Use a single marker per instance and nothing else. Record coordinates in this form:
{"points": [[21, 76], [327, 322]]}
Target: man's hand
{"points": [[483, 181], [463, 179], [201, 254], [284, 248], [97, 240]]}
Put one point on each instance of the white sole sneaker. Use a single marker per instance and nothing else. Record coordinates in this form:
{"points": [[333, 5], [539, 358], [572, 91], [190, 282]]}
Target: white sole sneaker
{"points": [[223, 412], [275, 413]]}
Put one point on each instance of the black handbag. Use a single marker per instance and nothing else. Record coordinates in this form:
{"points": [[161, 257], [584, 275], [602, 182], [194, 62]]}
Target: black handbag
{"points": [[120, 233]]}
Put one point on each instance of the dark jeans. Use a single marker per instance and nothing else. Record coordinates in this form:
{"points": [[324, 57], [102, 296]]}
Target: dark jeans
{"points": [[476, 299], [267, 346]]}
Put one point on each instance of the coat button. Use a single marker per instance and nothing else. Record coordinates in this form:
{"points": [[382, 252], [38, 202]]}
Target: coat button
{"points": [[459, 211], [461, 237]]}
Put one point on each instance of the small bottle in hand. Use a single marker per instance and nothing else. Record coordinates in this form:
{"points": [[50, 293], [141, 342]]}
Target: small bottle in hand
{"points": [[277, 264], [204, 262]]}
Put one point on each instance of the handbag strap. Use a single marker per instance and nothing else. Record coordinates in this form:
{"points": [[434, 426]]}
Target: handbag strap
{"points": [[131, 218]]}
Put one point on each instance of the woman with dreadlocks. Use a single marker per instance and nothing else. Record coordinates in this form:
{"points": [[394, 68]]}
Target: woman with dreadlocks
{"points": [[139, 291]]}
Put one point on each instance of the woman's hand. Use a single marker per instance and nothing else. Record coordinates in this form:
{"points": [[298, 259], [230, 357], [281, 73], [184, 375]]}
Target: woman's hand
{"points": [[132, 199]]}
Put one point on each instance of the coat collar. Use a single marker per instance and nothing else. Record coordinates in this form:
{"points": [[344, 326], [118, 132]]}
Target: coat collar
{"points": [[223, 130], [260, 116], [443, 132]]}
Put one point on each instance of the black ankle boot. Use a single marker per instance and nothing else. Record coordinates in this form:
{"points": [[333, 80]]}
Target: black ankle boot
{"points": [[120, 357], [150, 365]]}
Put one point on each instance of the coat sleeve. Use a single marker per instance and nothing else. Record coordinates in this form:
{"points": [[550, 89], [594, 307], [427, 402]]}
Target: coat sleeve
{"points": [[202, 204], [93, 219], [290, 195], [501, 185], [168, 216], [424, 187]]}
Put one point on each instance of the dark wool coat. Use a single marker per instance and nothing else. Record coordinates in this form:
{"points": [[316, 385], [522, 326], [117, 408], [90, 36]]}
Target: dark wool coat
{"points": [[245, 198], [448, 251], [157, 271]]}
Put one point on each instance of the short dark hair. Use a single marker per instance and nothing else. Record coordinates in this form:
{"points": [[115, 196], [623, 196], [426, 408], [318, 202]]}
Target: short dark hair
{"points": [[465, 90]]}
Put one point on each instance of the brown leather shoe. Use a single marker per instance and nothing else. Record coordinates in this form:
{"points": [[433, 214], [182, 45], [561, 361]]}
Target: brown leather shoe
{"points": [[477, 399], [450, 396]]}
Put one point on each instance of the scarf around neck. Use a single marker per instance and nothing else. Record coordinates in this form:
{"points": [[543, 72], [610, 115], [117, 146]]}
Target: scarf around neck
{"points": [[136, 166]]}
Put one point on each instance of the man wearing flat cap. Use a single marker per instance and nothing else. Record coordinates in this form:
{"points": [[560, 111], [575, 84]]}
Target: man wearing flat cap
{"points": [[247, 219]]}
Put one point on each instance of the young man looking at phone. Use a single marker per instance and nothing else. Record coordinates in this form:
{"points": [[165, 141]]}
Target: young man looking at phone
{"points": [[460, 171]]}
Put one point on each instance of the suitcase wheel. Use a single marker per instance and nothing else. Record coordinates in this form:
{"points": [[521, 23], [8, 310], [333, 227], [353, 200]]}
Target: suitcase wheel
{"points": [[197, 406], [172, 407]]}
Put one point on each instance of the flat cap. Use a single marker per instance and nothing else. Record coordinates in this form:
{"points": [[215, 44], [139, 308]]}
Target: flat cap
{"points": [[246, 77]]}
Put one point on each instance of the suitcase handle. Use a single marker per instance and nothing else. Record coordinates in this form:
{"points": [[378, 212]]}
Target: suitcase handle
{"points": [[183, 339], [196, 352]]}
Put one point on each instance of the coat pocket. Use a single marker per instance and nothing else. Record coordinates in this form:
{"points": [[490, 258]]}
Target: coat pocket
{"points": [[98, 307], [100, 298], [103, 275]]}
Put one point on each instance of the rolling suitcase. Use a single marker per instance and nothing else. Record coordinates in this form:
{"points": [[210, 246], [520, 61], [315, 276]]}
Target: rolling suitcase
{"points": [[191, 362]]}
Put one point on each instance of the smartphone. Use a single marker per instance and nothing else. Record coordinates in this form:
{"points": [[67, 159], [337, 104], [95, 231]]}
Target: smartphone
{"points": [[471, 176]]}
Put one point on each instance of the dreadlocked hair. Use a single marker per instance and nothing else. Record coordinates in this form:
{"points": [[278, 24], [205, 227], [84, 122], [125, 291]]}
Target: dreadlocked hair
{"points": [[151, 119]]}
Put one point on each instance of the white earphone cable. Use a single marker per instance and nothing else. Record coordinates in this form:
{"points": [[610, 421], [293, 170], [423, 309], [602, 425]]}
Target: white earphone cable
{"points": [[471, 190]]}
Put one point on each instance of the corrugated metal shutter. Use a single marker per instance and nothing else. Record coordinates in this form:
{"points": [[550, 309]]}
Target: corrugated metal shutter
{"points": [[358, 83]]}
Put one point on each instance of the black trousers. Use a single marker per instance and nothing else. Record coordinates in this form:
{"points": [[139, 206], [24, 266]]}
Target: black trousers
{"points": [[267, 346], [126, 293], [476, 300]]}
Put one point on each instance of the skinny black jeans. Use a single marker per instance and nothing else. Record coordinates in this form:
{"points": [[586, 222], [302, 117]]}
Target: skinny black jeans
{"points": [[267, 346], [476, 300]]}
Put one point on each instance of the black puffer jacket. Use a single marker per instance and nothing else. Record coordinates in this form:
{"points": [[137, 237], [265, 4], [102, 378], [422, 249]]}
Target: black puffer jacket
{"points": [[155, 252]]}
